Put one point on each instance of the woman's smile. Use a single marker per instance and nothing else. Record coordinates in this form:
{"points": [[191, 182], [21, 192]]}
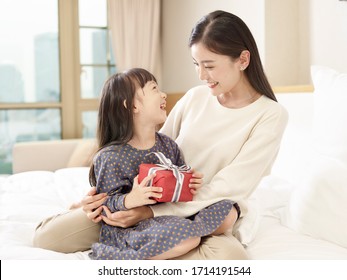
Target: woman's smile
{"points": [[212, 85]]}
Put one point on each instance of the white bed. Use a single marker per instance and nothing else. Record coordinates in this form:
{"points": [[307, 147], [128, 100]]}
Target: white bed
{"points": [[288, 225]]}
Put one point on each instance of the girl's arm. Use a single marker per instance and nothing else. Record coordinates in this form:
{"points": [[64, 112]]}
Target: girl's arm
{"points": [[141, 194]]}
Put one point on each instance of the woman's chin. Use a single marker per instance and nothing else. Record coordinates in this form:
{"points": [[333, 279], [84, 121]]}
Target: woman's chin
{"points": [[214, 92]]}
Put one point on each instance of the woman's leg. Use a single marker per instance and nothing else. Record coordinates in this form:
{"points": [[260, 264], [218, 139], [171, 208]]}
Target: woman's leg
{"points": [[217, 247], [67, 233], [179, 250]]}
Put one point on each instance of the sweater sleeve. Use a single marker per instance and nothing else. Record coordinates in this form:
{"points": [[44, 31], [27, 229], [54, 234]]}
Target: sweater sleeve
{"points": [[237, 180], [109, 181]]}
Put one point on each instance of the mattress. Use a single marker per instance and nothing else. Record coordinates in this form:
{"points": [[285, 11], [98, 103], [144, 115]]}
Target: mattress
{"points": [[29, 197]]}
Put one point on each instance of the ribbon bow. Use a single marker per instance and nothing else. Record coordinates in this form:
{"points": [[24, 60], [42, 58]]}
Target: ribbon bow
{"points": [[166, 164]]}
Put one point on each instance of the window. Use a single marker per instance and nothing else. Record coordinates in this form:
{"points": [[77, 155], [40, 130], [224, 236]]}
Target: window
{"points": [[96, 59], [54, 58], [30, 96]]}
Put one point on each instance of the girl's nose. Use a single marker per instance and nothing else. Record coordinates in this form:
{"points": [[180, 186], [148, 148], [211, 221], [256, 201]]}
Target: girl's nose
{"points": [[164, 95]]}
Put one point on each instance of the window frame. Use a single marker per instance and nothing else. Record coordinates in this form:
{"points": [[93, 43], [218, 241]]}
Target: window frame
{"points": [[71, 104]]}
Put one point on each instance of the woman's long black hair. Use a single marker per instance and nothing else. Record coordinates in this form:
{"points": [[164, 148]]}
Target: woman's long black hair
{"points": [[226, 34]]}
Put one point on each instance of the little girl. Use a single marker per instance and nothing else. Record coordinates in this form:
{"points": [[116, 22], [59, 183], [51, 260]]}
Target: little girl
{"points": [[131, 109]]}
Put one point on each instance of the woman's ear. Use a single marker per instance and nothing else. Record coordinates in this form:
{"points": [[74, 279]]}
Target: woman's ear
{"points": [[245, 57], [125, 104]]}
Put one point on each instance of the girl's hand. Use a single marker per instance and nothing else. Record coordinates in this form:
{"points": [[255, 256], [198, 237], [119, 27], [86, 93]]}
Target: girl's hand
{"points": [[127, 218], [141, 194], [92, 204], [196, 182]]}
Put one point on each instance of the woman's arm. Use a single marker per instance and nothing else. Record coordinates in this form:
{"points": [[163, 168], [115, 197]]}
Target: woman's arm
{"points": [[127, 218], [92, 204], [131, 217]]}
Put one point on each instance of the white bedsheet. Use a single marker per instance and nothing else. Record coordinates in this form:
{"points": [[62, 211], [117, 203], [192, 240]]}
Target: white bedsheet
{"points": [[27, 198], [274, 241]]}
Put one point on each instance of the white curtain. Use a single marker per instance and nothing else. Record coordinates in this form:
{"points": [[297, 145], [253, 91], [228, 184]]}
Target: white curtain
{"points": [[135, 33]]}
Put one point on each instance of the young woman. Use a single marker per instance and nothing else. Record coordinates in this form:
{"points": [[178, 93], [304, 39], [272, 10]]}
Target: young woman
{"points": [[130, 110], [230, 129]]}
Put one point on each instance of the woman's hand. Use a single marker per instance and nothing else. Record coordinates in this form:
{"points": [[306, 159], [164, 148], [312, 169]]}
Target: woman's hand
{"points": [[126, 218], [195, 182], [141, 194], [92, 204]]}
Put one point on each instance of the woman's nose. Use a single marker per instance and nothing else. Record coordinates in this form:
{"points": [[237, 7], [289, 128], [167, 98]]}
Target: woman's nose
{"points": [[163, 95], [202, 74]]}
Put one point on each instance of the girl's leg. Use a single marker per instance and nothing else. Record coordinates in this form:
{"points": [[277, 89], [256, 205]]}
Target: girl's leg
{"points": [[67, 233], [181, 249]]}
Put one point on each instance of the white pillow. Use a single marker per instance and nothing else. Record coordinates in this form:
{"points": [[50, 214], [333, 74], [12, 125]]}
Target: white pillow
{"points": [[318, 207], [330, 117]]}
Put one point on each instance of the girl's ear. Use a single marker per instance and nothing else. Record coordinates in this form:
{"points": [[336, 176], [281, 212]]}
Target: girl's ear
{"points": [[136, 106], [245, 57]]}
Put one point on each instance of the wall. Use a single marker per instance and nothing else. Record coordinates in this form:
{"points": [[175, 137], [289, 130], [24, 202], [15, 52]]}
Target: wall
{"points": [[179, 17], [328, 33], [281, 42], [291, 35]]}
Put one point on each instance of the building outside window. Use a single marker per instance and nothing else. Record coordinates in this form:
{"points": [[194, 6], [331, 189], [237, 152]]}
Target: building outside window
{"points": [[96, 58], [53, 62]]}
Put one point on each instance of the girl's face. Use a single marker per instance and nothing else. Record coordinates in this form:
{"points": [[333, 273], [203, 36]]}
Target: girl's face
{"points": [[220, 72], [151, 104]]}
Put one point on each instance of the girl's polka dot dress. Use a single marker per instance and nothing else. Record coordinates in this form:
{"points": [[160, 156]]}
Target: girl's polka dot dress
{"points": [[115, 170]]}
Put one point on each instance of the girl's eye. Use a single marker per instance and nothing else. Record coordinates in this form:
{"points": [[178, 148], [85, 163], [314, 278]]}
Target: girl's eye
{"points": [[208, 67]]}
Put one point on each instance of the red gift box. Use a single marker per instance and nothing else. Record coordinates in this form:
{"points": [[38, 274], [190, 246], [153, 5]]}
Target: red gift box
{"points": [[172, 191]]}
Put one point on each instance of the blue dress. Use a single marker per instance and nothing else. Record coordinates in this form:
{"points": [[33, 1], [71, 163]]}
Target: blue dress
{"points": [[115, 169]]}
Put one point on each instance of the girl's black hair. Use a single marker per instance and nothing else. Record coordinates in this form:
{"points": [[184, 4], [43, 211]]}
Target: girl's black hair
{"points": [[115, 117]]}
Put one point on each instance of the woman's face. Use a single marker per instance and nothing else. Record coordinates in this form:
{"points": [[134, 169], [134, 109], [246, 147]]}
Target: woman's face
{"points": [[220, 72]]}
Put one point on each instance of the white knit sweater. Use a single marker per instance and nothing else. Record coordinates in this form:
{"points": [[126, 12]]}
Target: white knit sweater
{"points": [[233, 148]]}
